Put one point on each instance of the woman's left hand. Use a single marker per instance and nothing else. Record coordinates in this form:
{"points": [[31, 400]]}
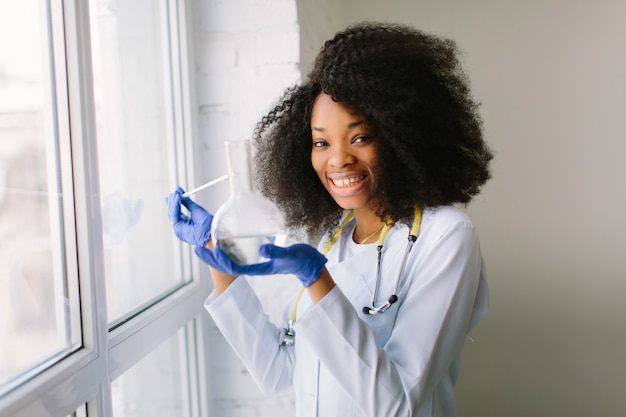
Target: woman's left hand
{"points": [[302, 260]]}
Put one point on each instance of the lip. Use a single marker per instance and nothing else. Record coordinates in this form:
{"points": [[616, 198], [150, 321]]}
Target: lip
{"points": [[350, 190]]}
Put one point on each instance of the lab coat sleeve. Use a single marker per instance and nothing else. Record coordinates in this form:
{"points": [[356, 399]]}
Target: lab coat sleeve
{"points": [[239, 315], [430, 329]]}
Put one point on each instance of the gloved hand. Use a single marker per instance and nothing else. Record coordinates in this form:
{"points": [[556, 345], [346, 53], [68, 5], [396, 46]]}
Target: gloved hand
{"points": [[195, 228], [302, 260]]}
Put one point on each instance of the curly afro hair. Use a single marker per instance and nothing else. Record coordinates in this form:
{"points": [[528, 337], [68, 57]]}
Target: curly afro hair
{"points": [[410, 86]]}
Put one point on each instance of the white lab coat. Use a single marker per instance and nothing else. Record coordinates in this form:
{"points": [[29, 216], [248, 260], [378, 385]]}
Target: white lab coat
{"points": [[403, 362]]}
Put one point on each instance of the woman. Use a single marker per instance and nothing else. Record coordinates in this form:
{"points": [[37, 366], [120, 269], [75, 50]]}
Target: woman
{"points": [[375, 147]]}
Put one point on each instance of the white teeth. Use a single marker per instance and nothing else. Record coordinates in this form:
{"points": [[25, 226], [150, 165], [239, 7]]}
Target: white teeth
{"points": [[348, 182]]}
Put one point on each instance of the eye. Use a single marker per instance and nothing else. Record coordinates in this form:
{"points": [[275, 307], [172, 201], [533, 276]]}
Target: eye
{"points": [[361, 139], [319, 143]]}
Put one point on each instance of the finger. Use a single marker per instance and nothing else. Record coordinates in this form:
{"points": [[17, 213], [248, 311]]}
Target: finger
{"points": [[241, 269], [192, 206], [265, 268], [180, 228], [217, 259], [202, 252], [173, 206], [270, 251], [178, 191]]}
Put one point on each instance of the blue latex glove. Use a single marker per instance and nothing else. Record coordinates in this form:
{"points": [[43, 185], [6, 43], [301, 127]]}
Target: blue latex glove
{"points": [[302, 260], [195, 228]]}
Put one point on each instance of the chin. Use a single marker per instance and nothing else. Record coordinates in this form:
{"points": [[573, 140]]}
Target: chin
{"points": [[347, 203]]}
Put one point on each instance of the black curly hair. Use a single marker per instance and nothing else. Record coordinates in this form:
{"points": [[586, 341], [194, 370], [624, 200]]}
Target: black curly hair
{"points": [[410, 86]]}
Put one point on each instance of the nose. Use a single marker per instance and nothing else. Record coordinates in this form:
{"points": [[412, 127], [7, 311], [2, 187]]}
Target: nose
{"points": [[341, 157]]}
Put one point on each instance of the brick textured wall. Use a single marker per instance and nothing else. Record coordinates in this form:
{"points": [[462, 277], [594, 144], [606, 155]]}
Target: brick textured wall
{"points": [[245, 53]]}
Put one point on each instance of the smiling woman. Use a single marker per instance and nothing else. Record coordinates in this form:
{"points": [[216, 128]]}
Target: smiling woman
{"points": [[383, 137]]}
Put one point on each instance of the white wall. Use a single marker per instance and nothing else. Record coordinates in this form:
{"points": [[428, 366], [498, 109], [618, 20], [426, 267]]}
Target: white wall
{"points": [[551, 76]]}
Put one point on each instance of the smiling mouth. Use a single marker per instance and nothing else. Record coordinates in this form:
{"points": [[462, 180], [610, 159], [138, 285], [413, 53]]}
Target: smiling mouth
{"points": [[347, 182]]}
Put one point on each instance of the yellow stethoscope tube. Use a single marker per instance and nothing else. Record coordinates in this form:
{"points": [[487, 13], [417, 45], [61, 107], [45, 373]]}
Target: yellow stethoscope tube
{"points": [[287, 336]]}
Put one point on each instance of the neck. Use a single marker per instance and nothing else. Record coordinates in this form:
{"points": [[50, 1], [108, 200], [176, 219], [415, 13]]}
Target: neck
{"points": [[368, 224]]}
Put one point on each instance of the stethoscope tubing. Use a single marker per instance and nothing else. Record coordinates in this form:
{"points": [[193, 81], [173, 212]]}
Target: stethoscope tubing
{"points": [[394, 297], [288, 335]]}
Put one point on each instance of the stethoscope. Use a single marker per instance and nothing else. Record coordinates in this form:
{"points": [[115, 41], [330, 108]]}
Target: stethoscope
{"points": [[287, 336]]}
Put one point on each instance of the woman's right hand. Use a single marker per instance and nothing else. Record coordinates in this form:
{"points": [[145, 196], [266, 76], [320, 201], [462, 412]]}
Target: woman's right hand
{"points": [[195, 228]]}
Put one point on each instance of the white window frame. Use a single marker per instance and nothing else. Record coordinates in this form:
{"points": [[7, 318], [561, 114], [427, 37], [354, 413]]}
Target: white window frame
{"points": [[84, 376]]}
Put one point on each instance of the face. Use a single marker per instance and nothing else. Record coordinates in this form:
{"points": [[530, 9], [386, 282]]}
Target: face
{"points": [[344, 153]]}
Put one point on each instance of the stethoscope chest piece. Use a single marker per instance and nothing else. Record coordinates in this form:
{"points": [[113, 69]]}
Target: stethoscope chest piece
{"points": [[287, 335]]}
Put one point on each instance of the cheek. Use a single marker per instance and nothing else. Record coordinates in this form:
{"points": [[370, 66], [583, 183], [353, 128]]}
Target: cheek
{"points": [[374, 159], [318, 167]]}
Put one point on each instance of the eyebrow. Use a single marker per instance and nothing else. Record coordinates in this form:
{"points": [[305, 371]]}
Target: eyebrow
{"points": [[349, 126]]}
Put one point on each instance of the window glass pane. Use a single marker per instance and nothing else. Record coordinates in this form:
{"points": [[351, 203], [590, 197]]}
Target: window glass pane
{"points": [[80, 412], [34, 300], [134, 127], [155, 386]]}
